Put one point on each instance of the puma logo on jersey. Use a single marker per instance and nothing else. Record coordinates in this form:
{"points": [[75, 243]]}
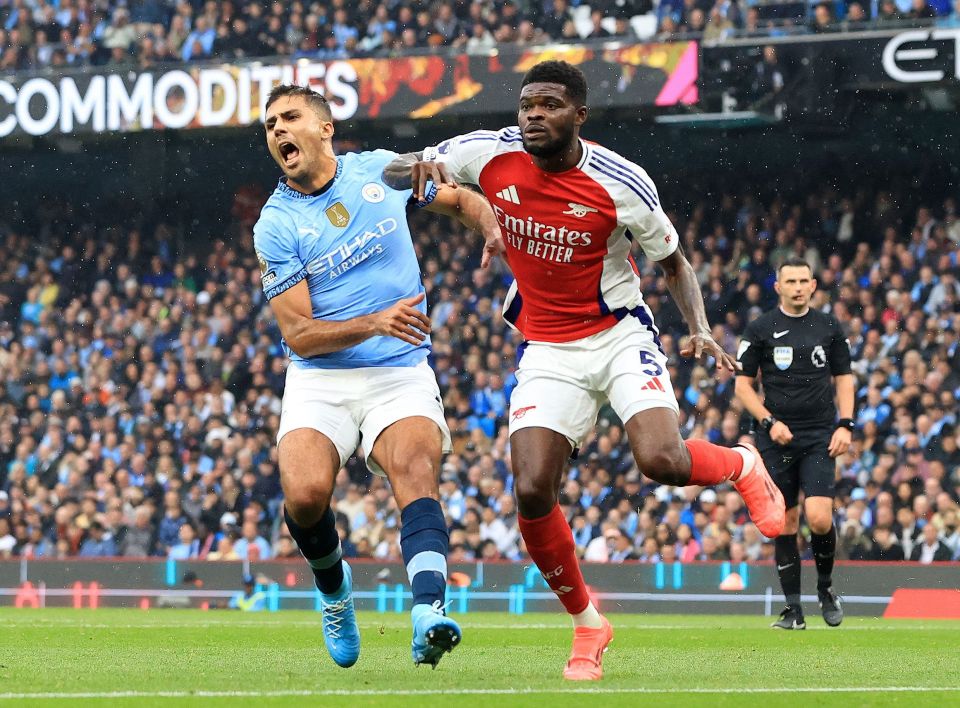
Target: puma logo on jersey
{"points": [[509, 194], [579, 210]]}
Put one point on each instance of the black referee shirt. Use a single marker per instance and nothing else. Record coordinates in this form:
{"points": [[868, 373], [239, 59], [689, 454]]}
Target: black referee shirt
{"points": [[797, 358]]}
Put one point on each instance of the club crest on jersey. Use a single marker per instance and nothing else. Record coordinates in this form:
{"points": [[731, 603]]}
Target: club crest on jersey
{"points": [[338, 215], [818, 357], [579, 210], [783, 357], [373, 192]]}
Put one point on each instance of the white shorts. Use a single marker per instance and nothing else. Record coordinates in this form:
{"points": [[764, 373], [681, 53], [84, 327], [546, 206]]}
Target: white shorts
{"points": [[353, 406], [562, 386]]}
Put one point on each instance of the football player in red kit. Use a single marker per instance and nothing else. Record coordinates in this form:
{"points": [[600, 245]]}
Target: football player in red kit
{"points": [[569, 212]]}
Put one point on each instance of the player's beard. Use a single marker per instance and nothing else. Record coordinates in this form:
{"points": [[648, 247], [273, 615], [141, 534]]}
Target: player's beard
{"points": [[551, 148]]}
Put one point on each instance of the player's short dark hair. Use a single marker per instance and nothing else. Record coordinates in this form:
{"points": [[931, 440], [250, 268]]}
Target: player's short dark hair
{"points": [[315, 100], [559, 72], [795, 262]]}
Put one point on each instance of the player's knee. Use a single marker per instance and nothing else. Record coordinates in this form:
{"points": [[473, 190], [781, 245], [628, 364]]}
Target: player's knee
{"points": [[820, 524], [792, 522], [414, 477], [306, 501], [535, 497]]}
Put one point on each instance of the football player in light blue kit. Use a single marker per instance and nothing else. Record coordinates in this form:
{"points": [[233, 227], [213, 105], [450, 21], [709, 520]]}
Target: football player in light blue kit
{"points": [[339, 269]]}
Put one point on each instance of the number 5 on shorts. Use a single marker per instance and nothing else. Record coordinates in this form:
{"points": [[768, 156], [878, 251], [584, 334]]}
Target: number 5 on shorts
{"points": [[650, 361]]}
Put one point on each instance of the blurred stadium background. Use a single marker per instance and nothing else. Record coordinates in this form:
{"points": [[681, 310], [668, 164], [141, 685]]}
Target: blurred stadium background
{"points": [[140, 375]]}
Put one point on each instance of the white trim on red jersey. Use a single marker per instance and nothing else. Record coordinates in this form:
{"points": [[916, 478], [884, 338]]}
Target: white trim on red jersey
{"points": [[465, 155]]}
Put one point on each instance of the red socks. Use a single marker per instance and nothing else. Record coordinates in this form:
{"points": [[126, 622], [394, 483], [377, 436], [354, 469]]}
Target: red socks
{"points": [[711, 464], [550, 544]]}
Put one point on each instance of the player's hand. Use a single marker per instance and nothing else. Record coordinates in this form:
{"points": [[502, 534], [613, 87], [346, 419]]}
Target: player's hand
{"points": [[492, 247], [404, 321], [423, 171], [780, 433], [702, 343], [839, 442]]}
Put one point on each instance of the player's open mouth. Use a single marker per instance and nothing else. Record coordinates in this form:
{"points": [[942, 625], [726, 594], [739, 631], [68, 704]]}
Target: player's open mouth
{"points": [[289, 152]]}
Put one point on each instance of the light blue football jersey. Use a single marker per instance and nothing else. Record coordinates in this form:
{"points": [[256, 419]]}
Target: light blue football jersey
{"points": [[352, 245]]}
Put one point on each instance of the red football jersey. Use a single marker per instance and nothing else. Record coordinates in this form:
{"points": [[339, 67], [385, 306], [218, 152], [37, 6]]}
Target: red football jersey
{"points": [[567, 234]]}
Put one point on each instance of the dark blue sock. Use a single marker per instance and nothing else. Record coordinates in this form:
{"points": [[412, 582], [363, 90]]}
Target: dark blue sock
{"points": [[320, 545], [424, 541]]}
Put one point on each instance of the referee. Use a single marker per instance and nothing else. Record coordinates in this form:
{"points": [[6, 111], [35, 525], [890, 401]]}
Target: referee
{"points": [[803, 361]]}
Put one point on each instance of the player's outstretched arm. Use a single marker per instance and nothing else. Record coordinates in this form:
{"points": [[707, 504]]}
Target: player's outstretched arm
{"points": [[412, 171], [685, 289], [473, 211], [309, 337]]}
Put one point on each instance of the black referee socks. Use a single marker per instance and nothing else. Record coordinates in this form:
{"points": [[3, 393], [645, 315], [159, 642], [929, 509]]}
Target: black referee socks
{"points": [[824, 548], [787, 555]]}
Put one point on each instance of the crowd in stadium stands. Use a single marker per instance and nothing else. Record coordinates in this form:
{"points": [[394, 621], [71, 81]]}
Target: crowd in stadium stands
{"points": [[140, 389], [35, 34]]}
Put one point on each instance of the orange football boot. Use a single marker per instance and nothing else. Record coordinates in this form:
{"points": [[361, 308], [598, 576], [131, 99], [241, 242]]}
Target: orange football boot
{"points": [[764, 501], [586, 658]]}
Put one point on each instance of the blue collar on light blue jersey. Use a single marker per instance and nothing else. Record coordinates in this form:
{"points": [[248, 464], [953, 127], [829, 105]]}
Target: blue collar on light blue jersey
{"points": [[289, 191]]}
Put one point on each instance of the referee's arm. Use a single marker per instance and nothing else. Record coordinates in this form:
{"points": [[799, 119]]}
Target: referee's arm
{"points": [[748, 356], [844, 386], [840, 441], [746, 391]]}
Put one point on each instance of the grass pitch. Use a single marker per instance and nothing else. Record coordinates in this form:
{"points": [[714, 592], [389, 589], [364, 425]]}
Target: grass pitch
{"points": [[131, 658]]}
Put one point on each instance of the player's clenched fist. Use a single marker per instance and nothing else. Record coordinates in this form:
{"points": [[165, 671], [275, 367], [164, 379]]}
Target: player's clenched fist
{"points": [[404, 321], [780, 433]]}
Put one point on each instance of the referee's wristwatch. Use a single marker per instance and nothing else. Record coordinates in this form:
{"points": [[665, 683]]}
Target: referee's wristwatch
{"points": [[767, 423], [847, 423]]}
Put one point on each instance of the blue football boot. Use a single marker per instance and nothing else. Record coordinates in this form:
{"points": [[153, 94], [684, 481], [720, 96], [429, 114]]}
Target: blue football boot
{"points": [[340, 631], [434, 633]]}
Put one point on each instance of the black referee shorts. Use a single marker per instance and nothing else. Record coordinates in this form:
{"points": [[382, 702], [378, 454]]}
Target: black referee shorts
{"points": [[803, 464]]}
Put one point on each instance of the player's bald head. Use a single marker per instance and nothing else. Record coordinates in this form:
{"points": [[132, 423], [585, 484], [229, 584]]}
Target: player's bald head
{"points": [[315, 100], [559, 72]]}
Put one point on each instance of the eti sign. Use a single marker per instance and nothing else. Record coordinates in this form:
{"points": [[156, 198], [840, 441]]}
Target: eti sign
{"points": [[918, 56]]}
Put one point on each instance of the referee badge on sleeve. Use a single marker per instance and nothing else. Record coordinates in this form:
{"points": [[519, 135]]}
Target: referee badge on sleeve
{"points": [[783, 357], [818, 357]]}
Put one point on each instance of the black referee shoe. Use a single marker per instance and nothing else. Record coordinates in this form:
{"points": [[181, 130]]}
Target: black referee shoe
{"points": [[830, 606], [790, 618]]}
